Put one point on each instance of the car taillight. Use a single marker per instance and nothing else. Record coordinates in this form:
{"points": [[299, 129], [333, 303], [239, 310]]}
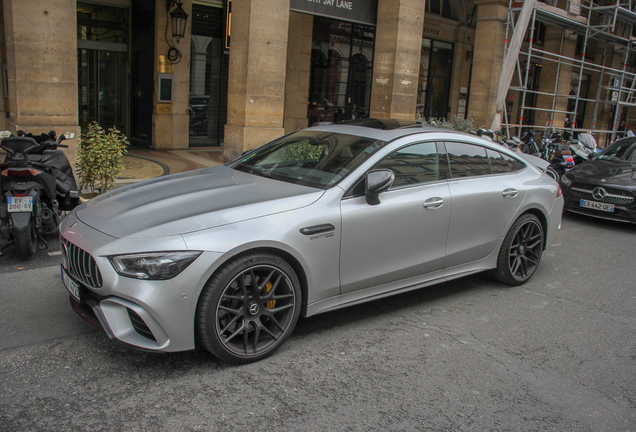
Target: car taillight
{"points": [[559, 192], [23, 173]]}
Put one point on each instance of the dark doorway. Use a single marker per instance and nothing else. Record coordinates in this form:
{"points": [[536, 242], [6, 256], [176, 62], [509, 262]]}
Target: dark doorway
{"points": [[209, 62], [142, 71], [436, 69]]}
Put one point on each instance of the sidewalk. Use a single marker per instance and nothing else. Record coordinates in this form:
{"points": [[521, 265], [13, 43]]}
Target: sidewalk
{"points": [[142, 164]]}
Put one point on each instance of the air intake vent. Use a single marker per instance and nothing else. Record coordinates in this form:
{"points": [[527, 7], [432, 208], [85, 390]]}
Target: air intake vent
{"points": [[81, 265], [140, 325]]}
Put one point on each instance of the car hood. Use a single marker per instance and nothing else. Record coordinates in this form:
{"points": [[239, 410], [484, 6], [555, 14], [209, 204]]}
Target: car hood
{"points": [[617, 173], [191, 201]]}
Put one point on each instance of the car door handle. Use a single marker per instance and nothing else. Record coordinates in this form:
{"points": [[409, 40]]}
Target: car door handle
{"points": [[510, 193], [433, 203]]}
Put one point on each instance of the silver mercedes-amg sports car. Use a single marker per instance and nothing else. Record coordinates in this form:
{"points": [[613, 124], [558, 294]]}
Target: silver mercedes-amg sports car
{"points": [[228, 258]]}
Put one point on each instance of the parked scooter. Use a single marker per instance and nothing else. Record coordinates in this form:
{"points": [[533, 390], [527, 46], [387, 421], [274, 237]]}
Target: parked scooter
{"points": [[37, 185], [529, 146], [584, 147]]}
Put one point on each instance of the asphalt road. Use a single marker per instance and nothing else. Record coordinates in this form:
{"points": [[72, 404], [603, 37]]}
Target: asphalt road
{"points": [[557, 354]]}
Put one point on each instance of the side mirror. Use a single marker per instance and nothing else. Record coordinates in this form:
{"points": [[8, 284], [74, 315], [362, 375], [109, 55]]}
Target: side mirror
{"points": [[378, 181]]}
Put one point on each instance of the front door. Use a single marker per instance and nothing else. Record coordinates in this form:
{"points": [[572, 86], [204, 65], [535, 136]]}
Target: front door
{"points": [[405, 235]]}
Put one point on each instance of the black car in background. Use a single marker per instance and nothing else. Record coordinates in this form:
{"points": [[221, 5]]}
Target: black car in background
{"points": [[604, 187]]}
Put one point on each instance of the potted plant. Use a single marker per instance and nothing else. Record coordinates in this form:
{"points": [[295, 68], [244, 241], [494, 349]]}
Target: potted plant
{"points": [[99, 159]]}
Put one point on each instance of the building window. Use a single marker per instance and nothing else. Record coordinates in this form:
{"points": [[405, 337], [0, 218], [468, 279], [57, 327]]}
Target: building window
{"points": [[341, 71]]}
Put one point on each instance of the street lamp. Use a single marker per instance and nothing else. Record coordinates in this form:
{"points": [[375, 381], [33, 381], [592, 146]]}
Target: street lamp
{"points": [[179, 18]]}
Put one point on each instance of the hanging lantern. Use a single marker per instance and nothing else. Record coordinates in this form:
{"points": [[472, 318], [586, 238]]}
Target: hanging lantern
{"points": [[179, 18]]}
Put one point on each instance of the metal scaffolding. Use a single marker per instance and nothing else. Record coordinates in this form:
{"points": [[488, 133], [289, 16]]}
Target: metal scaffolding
{"points": [[609, 24]]}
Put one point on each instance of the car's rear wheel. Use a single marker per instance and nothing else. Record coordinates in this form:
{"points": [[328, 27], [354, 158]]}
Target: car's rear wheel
{"points": [[520, 252], [248, 308]]}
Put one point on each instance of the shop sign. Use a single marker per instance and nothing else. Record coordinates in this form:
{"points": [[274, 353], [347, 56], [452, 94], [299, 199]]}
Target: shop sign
{"points": [[360, 11]]}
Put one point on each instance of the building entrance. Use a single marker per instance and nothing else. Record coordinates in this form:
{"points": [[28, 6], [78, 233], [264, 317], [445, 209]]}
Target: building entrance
{"points": [[209, 60], [436, 70], [102, 44], [341, 71]]}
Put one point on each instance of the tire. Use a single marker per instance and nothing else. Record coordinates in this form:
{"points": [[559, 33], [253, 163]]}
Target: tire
{"points": [[553, 173], [520, 252], [26, 240], [239, 331]]}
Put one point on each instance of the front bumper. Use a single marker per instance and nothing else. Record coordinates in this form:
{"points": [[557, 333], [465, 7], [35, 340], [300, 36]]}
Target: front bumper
{"points": [[623, 201], [155, 315]]}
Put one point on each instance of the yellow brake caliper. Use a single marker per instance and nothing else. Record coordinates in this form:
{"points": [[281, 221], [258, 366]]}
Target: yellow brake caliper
{"points": [[272, 303]]}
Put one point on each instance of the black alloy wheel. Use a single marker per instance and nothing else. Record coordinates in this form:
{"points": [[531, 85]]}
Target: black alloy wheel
{"points": [[248, 308], [521, 251]]}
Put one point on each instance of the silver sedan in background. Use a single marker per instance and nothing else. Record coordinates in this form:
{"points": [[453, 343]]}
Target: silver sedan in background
{"points": [[229, 257]]}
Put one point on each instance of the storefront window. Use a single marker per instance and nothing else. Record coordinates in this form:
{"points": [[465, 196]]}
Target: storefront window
{"points": [[341, 71], [436, 69]]}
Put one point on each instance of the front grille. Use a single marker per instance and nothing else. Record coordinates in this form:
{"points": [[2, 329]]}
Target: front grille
{"points": [[81, 265], [612, 196], [140, 325]]}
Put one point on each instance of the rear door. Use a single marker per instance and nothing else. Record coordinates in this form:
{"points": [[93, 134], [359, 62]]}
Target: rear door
{"points": [[486, 195]]}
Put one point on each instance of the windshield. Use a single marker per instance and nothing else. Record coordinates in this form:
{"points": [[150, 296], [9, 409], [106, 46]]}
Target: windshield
{"points": [[624, 150], [310, 158]]}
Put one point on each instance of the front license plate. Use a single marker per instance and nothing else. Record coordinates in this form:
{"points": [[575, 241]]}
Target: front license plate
{"points": [[20, 204], [70, 285], [597, 206]]}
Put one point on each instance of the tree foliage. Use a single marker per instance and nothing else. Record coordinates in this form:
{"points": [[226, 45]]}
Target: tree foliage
{"points": [[99, 158]]}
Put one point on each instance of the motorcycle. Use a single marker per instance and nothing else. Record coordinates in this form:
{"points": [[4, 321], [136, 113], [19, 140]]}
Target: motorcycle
{"points": [[37, 186], [584, 147], [529, 146]]}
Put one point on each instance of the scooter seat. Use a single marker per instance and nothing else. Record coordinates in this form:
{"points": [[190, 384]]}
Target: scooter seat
{"points": [[562, 153]]}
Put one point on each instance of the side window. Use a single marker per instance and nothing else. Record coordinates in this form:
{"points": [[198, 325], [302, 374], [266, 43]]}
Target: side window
{"points": [[412, 165], [498, 163], [467, 160], [514, 164]]}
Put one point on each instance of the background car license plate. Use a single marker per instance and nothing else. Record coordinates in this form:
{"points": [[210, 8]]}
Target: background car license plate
{"points": [[597, 205], [20, 204], [70, 284]]}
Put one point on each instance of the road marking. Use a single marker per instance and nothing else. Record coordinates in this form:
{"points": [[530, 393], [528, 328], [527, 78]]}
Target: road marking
{"points": [[55, 253]]}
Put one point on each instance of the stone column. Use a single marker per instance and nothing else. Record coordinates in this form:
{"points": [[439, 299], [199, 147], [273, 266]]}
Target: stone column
{"points": [[41, 57], [171, 120], [553, 38], [258, 61], [398, 47], [487, 60], [298, 67]]}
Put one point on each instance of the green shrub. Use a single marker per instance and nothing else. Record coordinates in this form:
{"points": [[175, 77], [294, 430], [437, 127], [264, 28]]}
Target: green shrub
{"points": [[460, 125], [99, 158]]}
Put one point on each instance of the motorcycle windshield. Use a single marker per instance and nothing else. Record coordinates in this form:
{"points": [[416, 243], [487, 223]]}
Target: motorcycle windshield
{"points": [[588, 141]]}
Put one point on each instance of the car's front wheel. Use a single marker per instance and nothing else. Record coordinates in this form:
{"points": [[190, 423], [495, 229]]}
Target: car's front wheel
{"points": [[520, 252], [248, 308]]}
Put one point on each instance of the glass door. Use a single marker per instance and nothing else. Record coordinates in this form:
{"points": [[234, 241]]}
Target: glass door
{"points": [[102, 44], [436, 69], [209, 60]]}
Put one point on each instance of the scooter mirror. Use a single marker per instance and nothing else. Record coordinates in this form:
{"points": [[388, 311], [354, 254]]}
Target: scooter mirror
{"points": [[5, 134], [69, 135]]}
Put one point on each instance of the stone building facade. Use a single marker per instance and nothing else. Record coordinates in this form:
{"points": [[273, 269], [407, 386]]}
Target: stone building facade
{"points": [[246, 71]]}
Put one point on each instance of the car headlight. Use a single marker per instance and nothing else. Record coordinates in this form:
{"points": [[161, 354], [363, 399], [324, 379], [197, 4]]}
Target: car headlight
{"points": [[154, 266], [565, 180]]}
